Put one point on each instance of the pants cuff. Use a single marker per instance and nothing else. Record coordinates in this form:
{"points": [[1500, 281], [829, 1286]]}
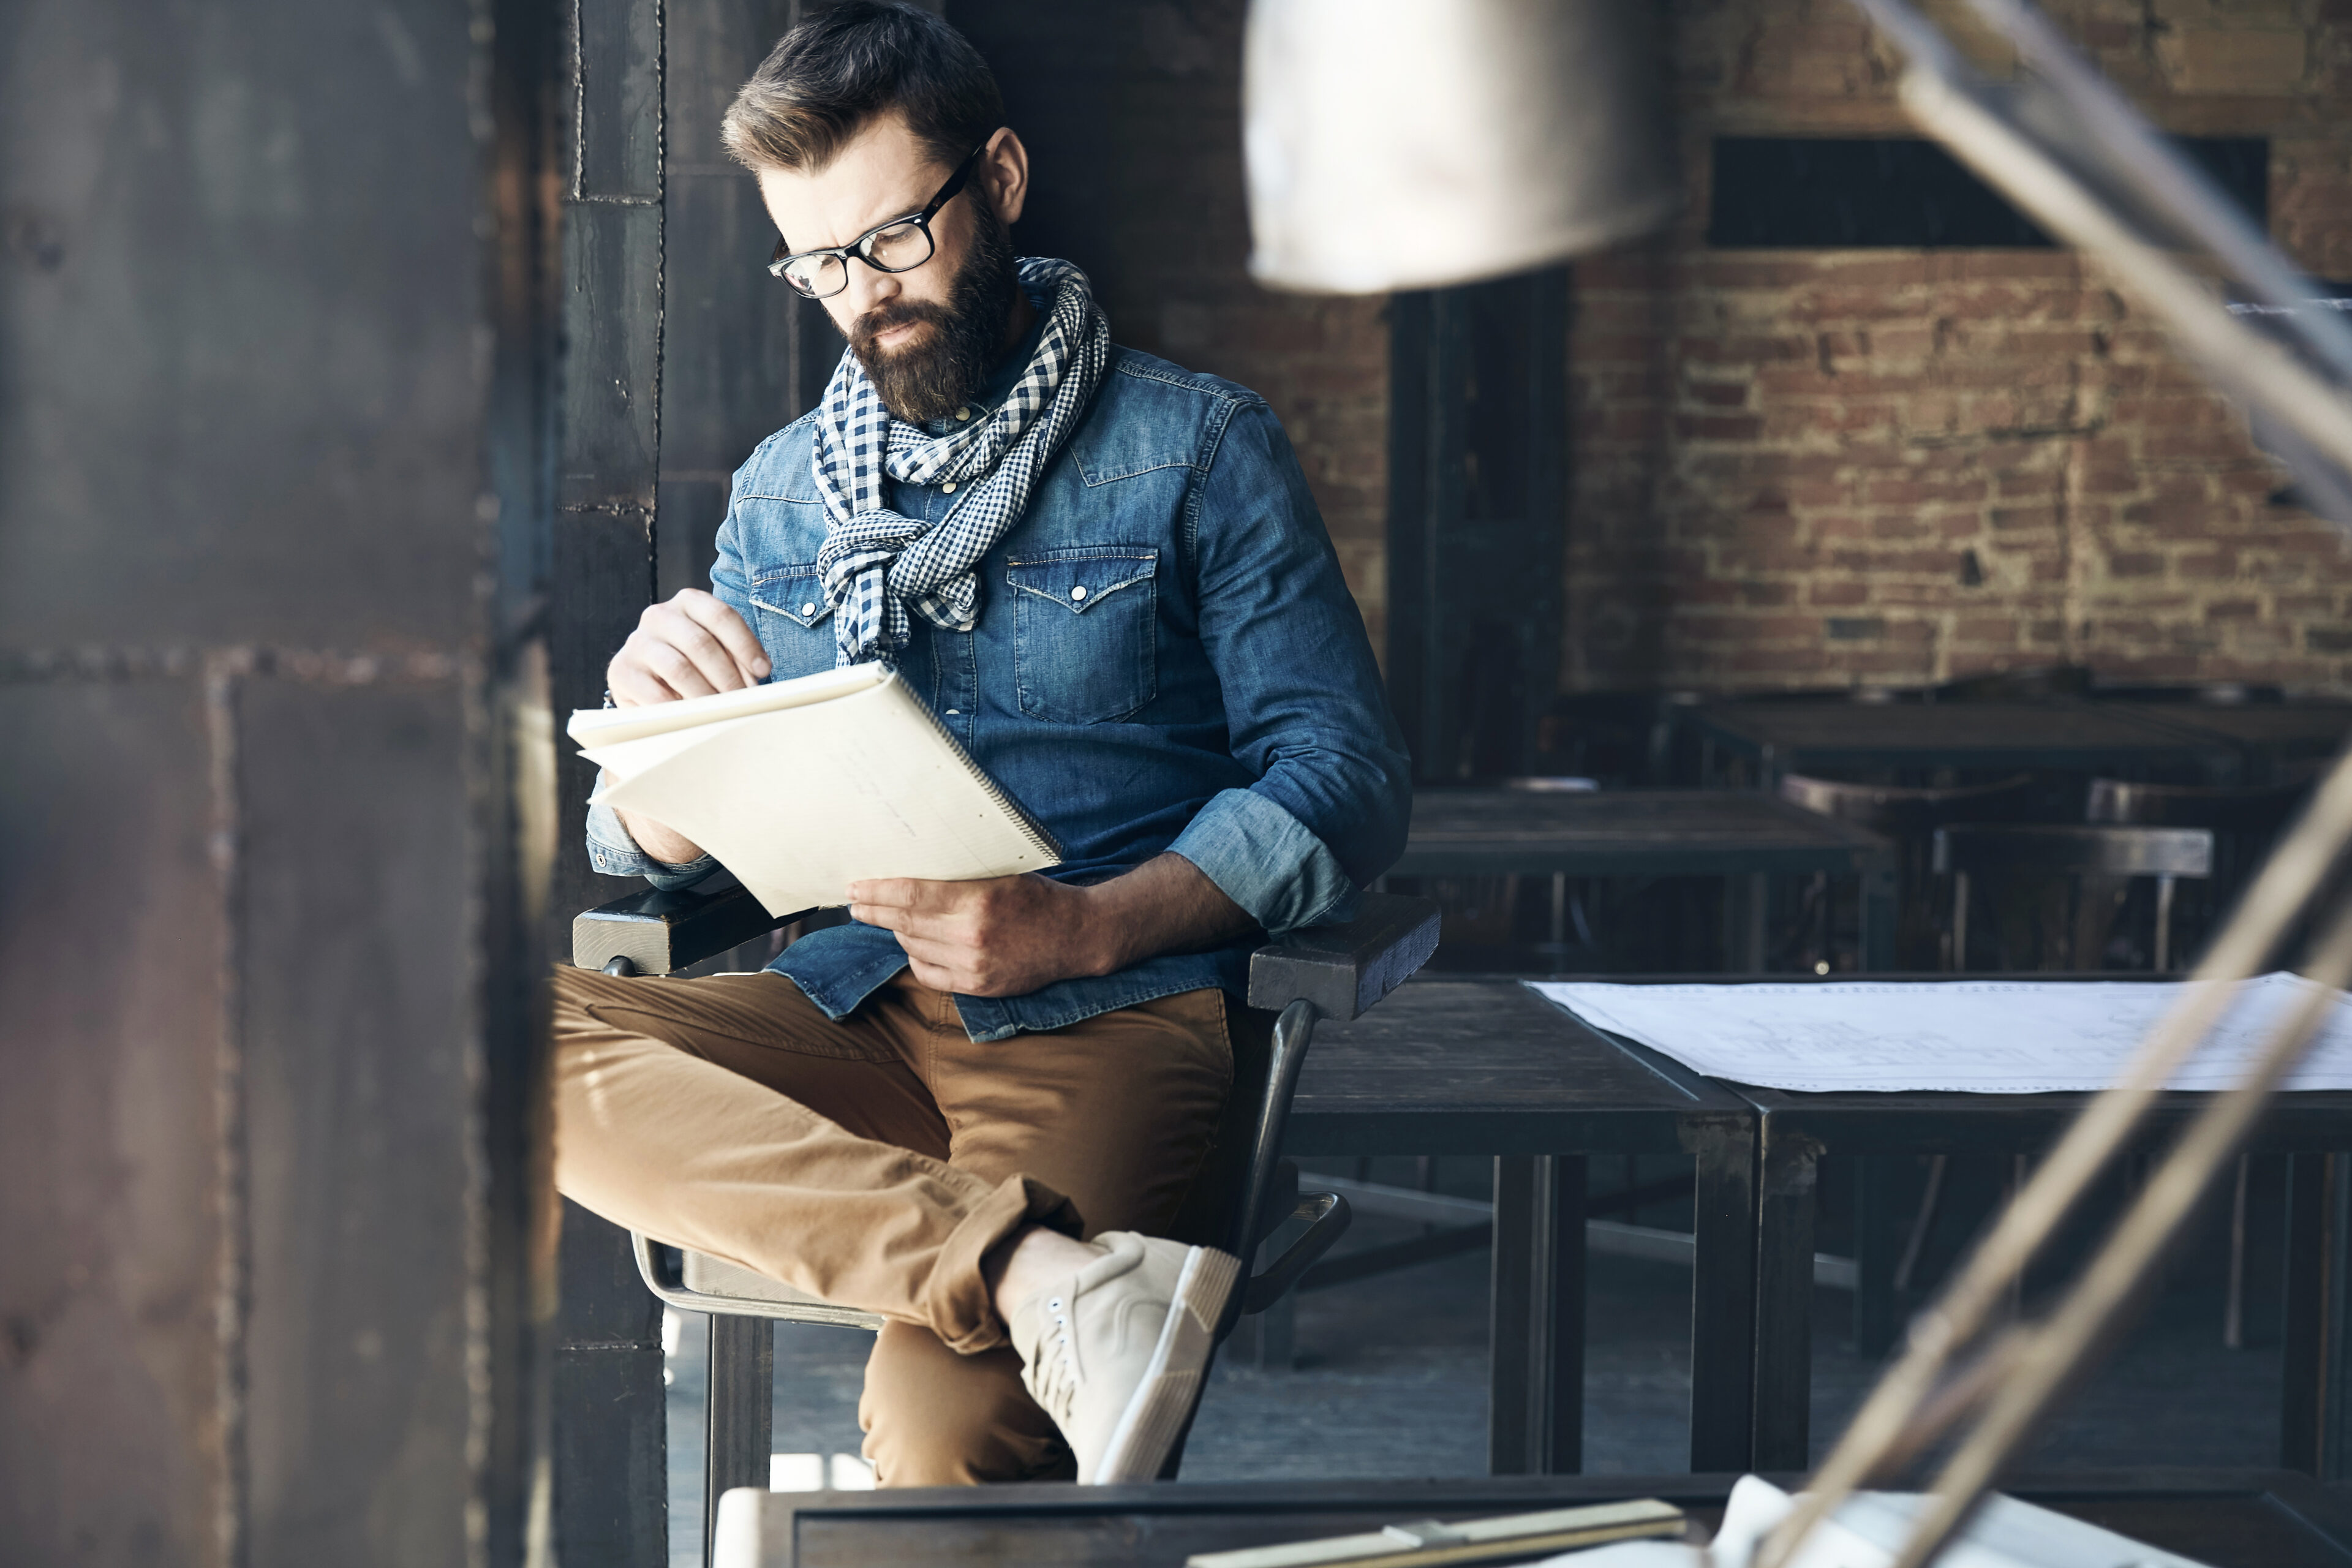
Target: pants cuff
{"points": [[958, 1298]]}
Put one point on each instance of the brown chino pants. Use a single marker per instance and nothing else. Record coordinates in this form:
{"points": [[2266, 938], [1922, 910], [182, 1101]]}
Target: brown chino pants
{"points": [[877, 1161]]}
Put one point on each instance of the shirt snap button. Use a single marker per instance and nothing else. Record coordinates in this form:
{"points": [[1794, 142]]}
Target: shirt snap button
{"points": [[1079, 592], [963, 413], [948, 487], [809, 608]]}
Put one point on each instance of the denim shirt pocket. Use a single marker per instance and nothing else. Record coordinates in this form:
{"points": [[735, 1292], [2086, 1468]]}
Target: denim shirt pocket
{"points": [[1085, 631], [789, 610]]}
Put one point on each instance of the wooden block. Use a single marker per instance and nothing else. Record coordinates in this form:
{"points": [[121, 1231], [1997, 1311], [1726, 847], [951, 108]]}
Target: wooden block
{"points": [[1343, 970]]}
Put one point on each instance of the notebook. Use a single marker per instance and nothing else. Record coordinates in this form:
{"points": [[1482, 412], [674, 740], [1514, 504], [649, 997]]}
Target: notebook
{"points": [[803, 786]]}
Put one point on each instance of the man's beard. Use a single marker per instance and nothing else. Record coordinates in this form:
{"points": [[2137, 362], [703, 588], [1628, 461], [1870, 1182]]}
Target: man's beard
{"points": [[933, 376]]}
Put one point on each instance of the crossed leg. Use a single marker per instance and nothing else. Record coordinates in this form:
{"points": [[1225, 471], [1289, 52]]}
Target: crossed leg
{"points": [[878, 1159]]}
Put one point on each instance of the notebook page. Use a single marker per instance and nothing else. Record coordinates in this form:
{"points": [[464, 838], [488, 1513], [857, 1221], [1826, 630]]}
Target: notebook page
{"points": [[605, 726], [799, 803]]}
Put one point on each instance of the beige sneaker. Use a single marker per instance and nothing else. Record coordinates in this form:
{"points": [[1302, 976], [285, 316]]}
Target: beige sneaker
{"points": [[1115, 1355]]}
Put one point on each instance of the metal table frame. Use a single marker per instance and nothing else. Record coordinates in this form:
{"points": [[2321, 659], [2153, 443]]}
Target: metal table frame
{"points": [[1486, 1067], [1795, 1131]]}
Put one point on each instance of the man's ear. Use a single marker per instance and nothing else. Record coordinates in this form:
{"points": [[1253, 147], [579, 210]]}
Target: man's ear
{"points": [[1003, 174]]}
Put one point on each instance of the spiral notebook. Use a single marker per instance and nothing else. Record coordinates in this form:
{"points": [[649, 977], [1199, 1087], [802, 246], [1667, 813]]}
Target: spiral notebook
{"points": [[803, 786]]}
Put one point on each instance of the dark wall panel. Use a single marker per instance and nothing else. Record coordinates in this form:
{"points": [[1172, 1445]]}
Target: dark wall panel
{"points": [[357, 1063], [110, 963], [731, 332], [204, 439]]}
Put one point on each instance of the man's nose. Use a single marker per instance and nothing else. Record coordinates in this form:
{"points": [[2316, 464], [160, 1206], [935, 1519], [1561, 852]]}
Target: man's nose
{"points": [[868, 287]]}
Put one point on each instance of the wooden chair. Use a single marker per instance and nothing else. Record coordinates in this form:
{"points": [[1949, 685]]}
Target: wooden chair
{"points": [[2097, 860], [2244, 821], [1910, 816], [1244, 1192]]}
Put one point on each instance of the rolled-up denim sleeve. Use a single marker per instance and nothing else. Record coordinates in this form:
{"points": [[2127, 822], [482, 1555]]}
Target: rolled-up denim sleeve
{"points": [[1305, 709], [612, 851]]}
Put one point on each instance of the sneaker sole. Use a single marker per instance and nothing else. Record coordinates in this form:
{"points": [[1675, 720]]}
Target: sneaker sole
{"points": [[1147, 1429]]}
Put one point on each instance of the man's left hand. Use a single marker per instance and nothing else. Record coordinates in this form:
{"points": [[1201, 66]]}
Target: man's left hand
{"points": [[1000, 937], [1009, 935]]}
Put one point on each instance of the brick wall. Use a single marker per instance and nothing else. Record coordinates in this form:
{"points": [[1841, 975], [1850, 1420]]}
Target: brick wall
{"points": [[1132, 112], [1789, 469], [1817, 467]]}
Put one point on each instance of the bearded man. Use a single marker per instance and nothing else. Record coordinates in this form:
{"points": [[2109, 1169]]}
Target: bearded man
{"points": [[973, 1109]]}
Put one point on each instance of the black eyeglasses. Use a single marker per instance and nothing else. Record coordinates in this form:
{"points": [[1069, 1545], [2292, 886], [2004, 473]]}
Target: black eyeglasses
{"points": [[900, 245]]}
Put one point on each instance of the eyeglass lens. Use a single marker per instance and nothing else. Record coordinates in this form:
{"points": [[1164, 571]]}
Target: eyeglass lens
{"points": [[898, 249]]}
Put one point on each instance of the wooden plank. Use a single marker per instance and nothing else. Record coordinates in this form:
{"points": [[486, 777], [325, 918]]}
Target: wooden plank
{"points": [[2230, 1519], [1344, 970], [1469, 832], [1795, 735]]}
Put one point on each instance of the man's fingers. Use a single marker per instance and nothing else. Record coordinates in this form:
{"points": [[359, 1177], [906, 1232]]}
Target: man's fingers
{"points": [[633, 686], [717, 617], [671, 667], [669, 625], [908, 893]]}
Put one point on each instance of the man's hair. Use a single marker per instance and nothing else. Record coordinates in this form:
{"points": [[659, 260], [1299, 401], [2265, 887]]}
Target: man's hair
{"points": [[835, 73]]}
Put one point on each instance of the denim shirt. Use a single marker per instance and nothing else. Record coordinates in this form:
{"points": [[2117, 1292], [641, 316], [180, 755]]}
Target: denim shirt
{"points": [[1166, 658]]}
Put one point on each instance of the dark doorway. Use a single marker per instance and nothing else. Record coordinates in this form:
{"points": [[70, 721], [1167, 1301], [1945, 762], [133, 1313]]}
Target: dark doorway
{"points": [[1476, 470]]}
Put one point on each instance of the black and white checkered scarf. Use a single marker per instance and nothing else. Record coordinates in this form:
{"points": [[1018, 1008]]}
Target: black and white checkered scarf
{"points": [[875, 562]]}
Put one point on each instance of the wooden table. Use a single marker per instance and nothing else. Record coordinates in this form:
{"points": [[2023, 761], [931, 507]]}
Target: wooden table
{"points": [[1489, 1068], [2266, 734], [1740, 835], [1980, 737], [2228, 1518]]}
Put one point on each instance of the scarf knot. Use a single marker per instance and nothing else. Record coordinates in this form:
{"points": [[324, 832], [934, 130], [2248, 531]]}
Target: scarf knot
{"points": [[877, 564]]}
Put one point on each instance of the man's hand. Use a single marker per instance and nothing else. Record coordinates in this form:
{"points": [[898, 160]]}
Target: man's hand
{"points": [[690, 646], [1008, 936]]}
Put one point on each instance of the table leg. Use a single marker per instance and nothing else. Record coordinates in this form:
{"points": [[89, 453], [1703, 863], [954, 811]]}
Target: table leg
{"points": [[2313, 1424], [1536, 1414], [738, 1419], [1723, 1293], [1784, 1299], [1879, 907], [1746, 900], [1877, 1238]]}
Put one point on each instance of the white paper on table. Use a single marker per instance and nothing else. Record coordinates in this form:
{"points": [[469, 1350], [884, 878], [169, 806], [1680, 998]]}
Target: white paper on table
{"points": [[1982, 1037]]}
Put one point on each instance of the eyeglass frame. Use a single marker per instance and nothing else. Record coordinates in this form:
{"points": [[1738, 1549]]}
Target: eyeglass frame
{"points": [[780, 259]]}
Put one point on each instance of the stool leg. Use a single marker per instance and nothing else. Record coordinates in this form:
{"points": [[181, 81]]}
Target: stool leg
{"points": [[1874, 1227], [737, 1422], [2233, 1311], [1919, 1226]]}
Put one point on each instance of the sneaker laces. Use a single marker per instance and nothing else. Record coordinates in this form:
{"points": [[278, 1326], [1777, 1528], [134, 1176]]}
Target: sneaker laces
{"points": [[1057, 1372]]}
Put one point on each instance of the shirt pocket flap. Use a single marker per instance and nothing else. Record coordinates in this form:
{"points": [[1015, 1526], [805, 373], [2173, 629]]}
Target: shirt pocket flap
{"points": [[1078, 580], [795, 592]]}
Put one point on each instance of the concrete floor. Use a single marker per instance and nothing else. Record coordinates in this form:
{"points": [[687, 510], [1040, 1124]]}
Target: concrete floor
{"points": [[1392, 1381]]}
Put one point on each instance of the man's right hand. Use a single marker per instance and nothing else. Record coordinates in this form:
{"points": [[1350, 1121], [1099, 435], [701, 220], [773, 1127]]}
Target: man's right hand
{"points": [[689, 646]]}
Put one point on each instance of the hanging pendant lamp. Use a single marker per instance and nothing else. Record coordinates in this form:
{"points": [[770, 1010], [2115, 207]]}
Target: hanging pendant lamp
{"points": [[1420, 144]]}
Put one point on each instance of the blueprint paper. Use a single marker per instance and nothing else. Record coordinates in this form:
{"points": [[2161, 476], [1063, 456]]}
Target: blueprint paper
{"points": [[1980, 1036]]}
